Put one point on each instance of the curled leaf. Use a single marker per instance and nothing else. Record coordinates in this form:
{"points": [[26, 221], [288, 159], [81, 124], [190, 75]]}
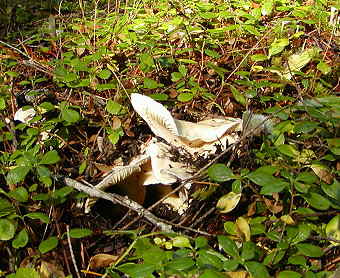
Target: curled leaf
{"points": [[228, 202], [243, 228]]}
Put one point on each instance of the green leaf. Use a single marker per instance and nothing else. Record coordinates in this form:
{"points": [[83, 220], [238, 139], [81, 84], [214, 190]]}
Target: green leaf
{"points": [[205, 258], [274, 257], [305, 126], [297, 61], [181, 241], [7, 229], [6, 207], [288, 150], [333, 228], [230, 227], [20, 194], [146, 62], [183, 70], [251, 29], [48, 244], [248, 250], [159, 96], [12, 73], [230, 265], [80, 233], [309, 250], [267, 7], [259, 57], [257, 270], [303, 233], [151, 84], [106, 86], [212, 53], [26, 273], [82, 167], [69, 115], [274, 188], [21, 239], [209, 273], [114, 108], [38, 215], [332, 190], [220, 173], [317, 201], [297, 260], [228, 202], [201, 242], [263, 176], [176, 76], [228, 245], [138, 270], [2, 103], [17, 174], [240, 98], [51, 157], [289, 274], [185, 97], [104, 74], [114, 138], [307, 177], [323, 67], [62, 192], [277, 46], [180, 264]]}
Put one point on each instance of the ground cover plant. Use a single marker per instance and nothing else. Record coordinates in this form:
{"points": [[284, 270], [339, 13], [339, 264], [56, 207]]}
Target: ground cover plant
{"points": [[267, 206]]}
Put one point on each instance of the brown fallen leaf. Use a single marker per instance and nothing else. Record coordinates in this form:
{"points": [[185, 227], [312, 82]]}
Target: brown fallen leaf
{"points": [[102, 260], [274, 207], [251, 209], [322, 172]]}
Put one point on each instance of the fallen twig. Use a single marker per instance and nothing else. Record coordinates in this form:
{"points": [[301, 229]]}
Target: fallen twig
{"points": [[118, 199], [71, 252]]}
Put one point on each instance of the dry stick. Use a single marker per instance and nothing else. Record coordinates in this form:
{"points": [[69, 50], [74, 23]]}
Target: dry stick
{"points": [[326, 238], [71, 252], [199, 220], [30, 62], [118, 199]]}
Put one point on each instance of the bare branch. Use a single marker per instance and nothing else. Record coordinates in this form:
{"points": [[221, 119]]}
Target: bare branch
{"points": [[117, 199]]}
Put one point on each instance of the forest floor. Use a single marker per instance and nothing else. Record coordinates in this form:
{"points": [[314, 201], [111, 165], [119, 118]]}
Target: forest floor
{"points": [[266, 205]]}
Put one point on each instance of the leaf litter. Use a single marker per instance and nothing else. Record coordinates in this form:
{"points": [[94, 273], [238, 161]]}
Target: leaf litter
{"points": [[160, 150]]}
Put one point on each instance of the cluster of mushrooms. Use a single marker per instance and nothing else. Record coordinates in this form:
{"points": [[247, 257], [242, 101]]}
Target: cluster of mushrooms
{"points": [[156, 165]]}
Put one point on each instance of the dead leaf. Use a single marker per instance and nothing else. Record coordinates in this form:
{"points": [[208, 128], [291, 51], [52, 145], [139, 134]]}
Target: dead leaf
{"points": [[251, 209], [50, 270], [243, 228], [228, 202], [116, 122], [274, 207], [238, 274], [102, 260], [287, 219], [322, 172]]}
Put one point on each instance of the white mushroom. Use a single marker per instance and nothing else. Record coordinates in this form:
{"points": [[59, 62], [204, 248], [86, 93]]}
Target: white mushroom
{"points": [[24, 115]]}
